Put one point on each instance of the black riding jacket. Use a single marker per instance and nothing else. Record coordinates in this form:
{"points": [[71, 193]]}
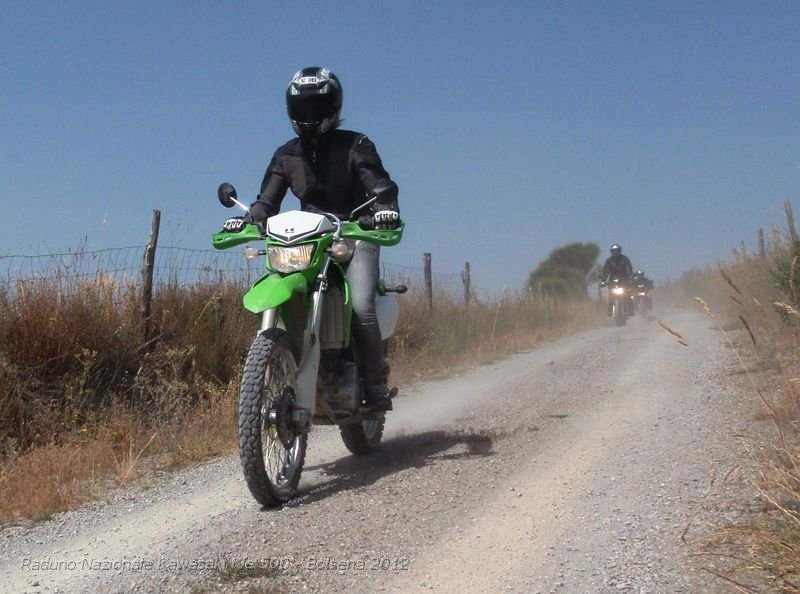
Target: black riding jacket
{"points": [[617, 267], [336, 175]]}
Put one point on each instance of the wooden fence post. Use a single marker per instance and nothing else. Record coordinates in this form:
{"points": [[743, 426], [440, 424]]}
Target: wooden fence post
{"points": [[148, 265], [466, 280], [426, 262]]}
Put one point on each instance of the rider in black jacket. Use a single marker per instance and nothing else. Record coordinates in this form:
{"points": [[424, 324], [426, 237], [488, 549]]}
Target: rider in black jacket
{"points": [[329, 173], [617, 265], [332, 170]]}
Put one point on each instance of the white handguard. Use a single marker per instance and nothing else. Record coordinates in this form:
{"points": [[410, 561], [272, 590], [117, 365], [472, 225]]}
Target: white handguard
{"points": [[386, 219]]}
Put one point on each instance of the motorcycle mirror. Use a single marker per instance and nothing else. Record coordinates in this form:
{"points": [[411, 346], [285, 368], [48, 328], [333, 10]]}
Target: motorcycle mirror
{"points": [[227, 195]]}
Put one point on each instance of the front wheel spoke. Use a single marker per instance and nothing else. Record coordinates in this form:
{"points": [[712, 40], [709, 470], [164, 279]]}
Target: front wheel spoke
{"points": [[270, 454], [280, 462], [274, 471]]}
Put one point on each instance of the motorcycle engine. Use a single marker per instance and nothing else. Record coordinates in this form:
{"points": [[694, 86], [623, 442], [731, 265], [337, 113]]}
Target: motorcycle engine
{"points": [[348, 390], [341, 390]]}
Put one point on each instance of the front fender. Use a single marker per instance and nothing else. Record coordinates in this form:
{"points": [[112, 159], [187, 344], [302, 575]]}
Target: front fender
{"points": [[274, 290]]}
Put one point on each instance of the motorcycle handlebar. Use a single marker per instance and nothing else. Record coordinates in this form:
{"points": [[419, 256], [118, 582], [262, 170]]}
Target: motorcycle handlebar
{"points": [[366, 222]]}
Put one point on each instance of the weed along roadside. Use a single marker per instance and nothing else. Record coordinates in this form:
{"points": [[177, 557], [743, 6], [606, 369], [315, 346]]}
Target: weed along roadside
{"points": [[753, 302]]}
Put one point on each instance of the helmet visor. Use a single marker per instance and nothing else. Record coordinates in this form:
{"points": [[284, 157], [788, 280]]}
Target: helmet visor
{"points": [[311, 109]]}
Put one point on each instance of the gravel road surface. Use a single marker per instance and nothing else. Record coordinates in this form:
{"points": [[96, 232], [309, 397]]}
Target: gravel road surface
{"points": [[590, 464]]}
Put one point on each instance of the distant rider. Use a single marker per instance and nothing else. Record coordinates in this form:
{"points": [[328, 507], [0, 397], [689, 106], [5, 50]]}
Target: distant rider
{"points": [[643, 285], [618, 266], [642, 282], [333, 170]]}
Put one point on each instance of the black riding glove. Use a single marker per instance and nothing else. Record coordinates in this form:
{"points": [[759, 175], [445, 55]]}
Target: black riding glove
{"points": [[386, 219], [234, 225]]}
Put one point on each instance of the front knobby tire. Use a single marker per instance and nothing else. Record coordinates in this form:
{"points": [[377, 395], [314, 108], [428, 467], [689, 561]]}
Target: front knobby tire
{"points": [[272, 450], [363, 438]]}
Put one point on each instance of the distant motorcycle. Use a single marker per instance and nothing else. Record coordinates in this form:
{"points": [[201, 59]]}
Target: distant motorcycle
{"points": [[620, 294], [303, 366], [642, 299]]}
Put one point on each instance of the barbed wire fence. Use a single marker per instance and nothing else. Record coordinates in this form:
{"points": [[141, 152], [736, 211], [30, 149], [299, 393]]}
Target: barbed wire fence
{"points": [[152, 267], [178, 265]]}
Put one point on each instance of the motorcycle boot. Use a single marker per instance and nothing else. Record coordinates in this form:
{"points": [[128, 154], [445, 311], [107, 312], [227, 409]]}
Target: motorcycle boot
{"points": [[377, 397]]}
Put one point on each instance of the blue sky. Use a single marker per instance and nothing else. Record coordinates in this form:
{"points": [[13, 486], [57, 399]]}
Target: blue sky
{"points": [[512, 128]]}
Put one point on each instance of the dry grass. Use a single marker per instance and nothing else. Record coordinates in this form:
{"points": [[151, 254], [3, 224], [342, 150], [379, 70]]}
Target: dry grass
{"points": [[763, 552], [84, 405], [453, 337], [120, 449]]}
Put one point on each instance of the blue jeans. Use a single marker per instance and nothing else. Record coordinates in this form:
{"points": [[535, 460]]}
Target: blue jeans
{"points": [[362, 274]]}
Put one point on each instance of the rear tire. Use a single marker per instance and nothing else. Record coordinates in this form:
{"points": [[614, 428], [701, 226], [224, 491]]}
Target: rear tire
{"points": [[271, 448], [363, 438]]}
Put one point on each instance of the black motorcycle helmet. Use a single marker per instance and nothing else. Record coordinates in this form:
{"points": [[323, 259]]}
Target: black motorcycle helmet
{"points": [[616, 249], [314, 101]]}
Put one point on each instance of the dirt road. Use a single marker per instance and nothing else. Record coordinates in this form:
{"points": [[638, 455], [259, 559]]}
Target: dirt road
{"points": [[591, 464]]}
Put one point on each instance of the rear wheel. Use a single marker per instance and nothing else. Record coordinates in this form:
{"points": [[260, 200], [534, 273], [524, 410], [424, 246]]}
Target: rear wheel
{"points": [[365, 437], [271, 447]]}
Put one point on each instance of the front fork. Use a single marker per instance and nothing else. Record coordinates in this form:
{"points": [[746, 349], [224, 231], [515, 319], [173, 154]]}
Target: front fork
{"points": [[308, 368], [269, 319]]}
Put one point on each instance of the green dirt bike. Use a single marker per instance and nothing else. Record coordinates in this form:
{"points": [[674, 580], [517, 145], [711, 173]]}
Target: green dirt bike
{"points": [[302, 367]]}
